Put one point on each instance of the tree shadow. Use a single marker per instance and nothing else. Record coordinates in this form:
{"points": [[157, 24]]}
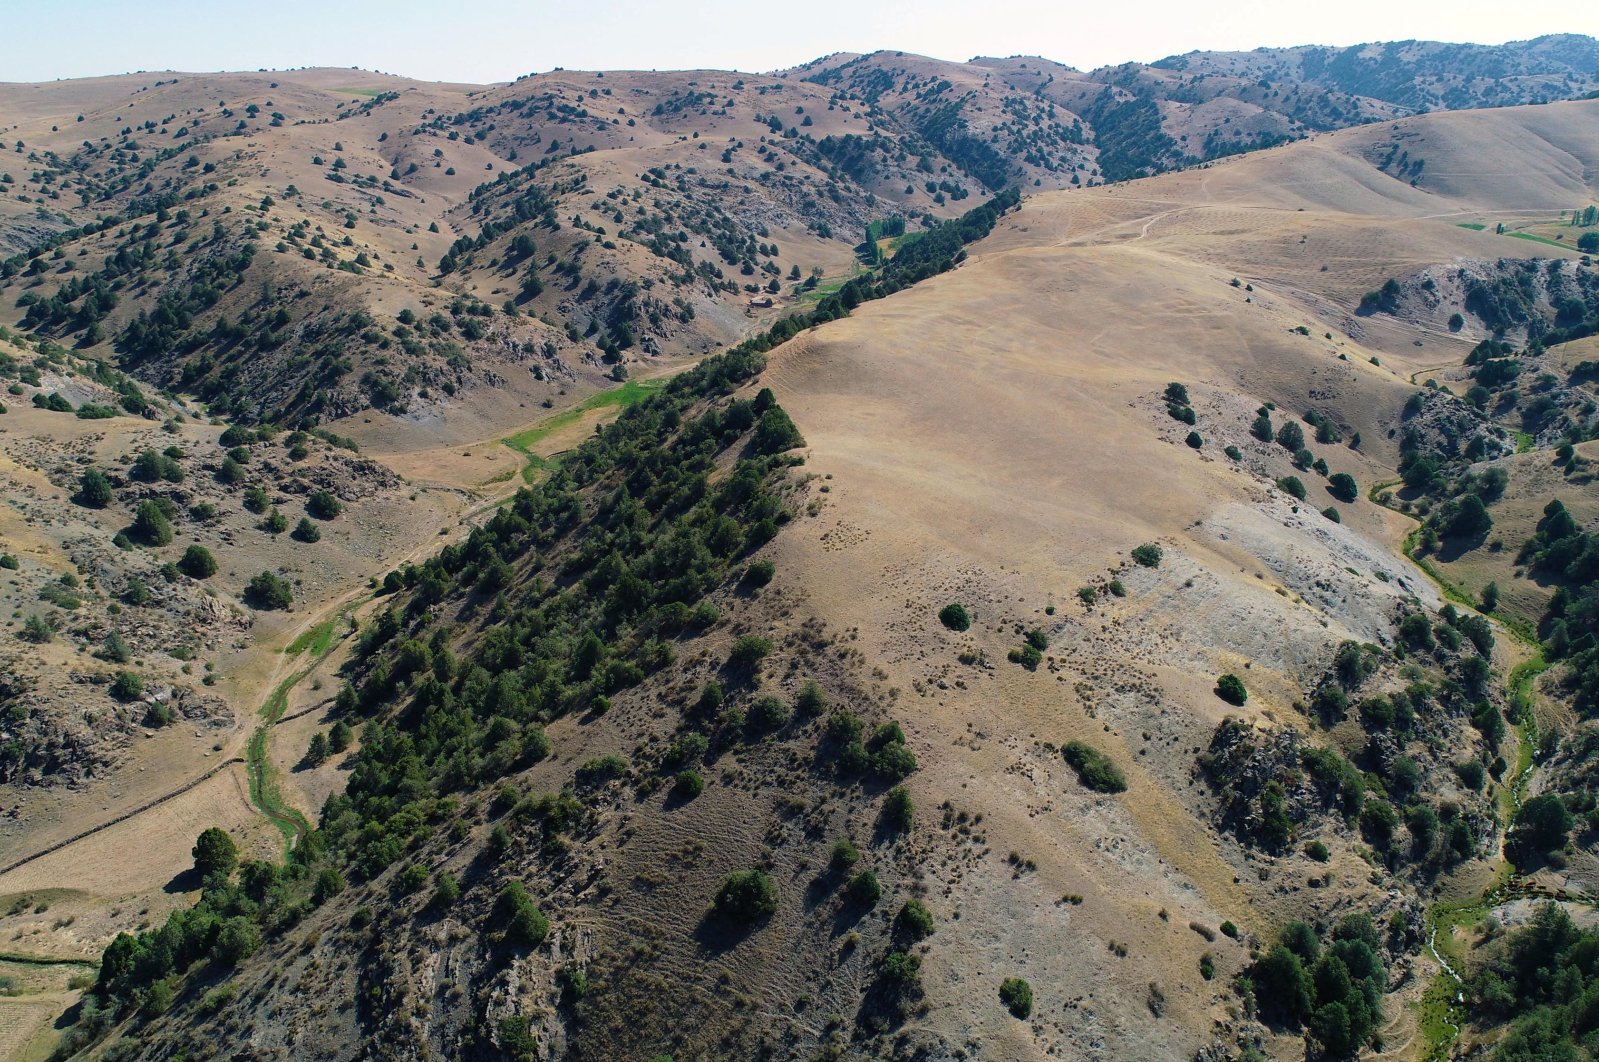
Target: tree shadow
{"points": [[183, 881], [1453, 547], [718, 935]]}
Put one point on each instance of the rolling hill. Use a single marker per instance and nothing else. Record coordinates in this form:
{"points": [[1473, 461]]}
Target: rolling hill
{"points": [[691, 724]]}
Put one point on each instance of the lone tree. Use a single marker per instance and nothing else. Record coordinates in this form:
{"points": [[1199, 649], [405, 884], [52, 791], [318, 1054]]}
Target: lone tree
{"points": [[267, 591], [94, 489], [745, 897], [150, 524], [1230, 688], [1017, 995], [1343, 487], [197, 562], [1148, 555], [322, 505], [955, 617], [215, 854]]}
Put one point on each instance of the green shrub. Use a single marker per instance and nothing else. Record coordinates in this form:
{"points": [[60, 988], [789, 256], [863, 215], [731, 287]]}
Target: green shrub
{"points": [[306, 531], [765, 715], [1234, 453], [115, 648], [745, 897], [94, 489], [323, 505], [1148, 555], [748, 651], [267, 591], [1230, 688], [231, 472], [128, 686], [1017, 995], [899, 811], [914, 921], [329, 883], [150, 524], [775, 433], [1317, 851], [197, 562], [1027, 656], [955, 617], [864, 889], [525, 925], [600, 770], [1293, 486], [759, 574], [688, 785], [843, 856], [1195, 440], [1343, 487], [1094, 769], [811, 700], [901, 968]]}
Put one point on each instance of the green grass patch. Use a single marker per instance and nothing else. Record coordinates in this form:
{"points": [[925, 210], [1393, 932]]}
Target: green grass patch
{"points": [[264, 792], [1474, 226], [317, 639], [370, 94], [1525, 443], [831, 285], [523, 442], [1541, 239]]}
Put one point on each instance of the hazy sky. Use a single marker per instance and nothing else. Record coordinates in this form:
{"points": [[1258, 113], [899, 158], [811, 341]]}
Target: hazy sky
{"points": [[497, 40]]}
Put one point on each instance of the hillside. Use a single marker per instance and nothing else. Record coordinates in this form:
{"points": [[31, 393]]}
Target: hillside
{"points": [[301, 247], [709, 643], [1052, 632]]}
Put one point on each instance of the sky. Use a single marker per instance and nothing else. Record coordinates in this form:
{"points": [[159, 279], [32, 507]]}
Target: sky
{"points": [[498, 40]]}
